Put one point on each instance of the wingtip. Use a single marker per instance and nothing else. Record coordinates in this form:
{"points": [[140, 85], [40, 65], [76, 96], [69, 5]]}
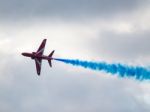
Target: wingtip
{"points": [[44, 39], [38, 73]]}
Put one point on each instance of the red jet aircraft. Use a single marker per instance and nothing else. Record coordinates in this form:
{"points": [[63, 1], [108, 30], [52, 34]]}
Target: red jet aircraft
{"points": [[38, 56]]}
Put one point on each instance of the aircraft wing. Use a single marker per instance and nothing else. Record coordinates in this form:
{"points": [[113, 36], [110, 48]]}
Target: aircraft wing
{"points": [[41, 48], [38, 63]]}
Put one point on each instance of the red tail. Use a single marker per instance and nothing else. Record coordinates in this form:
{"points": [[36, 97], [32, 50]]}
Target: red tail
{"points": [[50, 55]]}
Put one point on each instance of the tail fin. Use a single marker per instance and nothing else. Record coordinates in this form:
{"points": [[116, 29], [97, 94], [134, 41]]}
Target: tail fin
{"points": [[50, 55]]}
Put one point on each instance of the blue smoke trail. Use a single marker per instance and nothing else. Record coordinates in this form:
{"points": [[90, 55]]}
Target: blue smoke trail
{"points": [[137, 72]]}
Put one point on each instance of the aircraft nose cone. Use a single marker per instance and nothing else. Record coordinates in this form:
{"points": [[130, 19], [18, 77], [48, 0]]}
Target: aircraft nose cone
{"points": [[23, 54]]}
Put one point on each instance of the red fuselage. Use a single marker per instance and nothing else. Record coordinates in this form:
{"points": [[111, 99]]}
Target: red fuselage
{"points": [[34, 55]]}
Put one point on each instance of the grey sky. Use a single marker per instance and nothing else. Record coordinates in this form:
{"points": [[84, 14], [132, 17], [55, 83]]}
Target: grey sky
{"points": [[103, 30], [67, 9]]}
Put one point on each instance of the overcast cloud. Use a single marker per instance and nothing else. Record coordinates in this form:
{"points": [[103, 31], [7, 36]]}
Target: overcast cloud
{"points": [[67, 9], [103, 30]]}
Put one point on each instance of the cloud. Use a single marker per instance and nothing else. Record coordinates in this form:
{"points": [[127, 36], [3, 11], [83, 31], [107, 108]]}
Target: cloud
{"points": [[66, 9], [65, 88], [129, 46], [57, 90], [107, 30]]}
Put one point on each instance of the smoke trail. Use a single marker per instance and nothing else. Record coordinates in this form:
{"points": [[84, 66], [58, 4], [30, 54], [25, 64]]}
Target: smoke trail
{"points": [[137, 72]]}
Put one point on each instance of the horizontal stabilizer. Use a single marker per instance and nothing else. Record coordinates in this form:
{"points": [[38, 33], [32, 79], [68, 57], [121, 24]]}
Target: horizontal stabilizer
{"points": [[50, 55], [50, 63]]}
